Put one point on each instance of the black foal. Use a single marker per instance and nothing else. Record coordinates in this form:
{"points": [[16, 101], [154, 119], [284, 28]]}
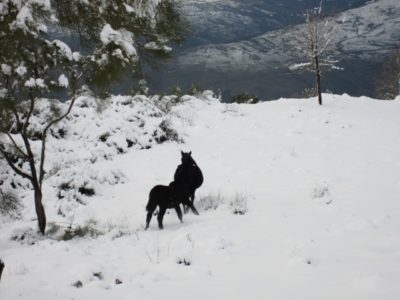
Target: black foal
{"points": [[165, 197]]}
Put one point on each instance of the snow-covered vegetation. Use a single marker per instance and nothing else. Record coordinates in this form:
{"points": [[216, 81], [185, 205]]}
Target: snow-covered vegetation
{"points": [[95, 131], [299, 201]]}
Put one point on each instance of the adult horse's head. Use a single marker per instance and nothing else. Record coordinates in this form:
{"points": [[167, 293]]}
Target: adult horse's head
{"points": [[187, 158]]}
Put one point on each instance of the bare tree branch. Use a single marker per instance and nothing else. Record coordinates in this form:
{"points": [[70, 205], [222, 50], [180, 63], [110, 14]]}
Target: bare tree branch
{"points": [[52, 123], [16, 145], [17, 119], [31, 108], [13, 166], [30, 157]]}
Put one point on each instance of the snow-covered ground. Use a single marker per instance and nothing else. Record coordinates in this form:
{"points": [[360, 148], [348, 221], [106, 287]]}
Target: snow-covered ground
{"points": [[319, 188]]}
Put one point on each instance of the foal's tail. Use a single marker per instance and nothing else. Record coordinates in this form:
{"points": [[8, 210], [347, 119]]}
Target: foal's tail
{"points": [[148, 206], [152, 204]]}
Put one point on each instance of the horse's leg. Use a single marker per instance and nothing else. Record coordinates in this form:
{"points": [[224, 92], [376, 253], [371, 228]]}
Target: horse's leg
{"points": [[191, 200], [161, 216], [194, 210], [179, 212], [186, 206]]}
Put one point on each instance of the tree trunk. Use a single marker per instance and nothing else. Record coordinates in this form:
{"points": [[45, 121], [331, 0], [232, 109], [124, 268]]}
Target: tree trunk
{"points": [[1, 268], [318, 75], [40, 209]]}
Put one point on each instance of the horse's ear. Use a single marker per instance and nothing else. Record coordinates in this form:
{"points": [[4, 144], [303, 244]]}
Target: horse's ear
{"points": [[182, 152], [190, 153]]}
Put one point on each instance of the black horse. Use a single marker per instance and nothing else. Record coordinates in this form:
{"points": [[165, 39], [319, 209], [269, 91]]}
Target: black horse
{"points": [[189, 175], [165, 197]]}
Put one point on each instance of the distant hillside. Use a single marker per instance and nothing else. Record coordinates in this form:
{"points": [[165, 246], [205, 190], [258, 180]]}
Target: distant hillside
{"points": [[255, 57], [223, 21], [367, 32]]}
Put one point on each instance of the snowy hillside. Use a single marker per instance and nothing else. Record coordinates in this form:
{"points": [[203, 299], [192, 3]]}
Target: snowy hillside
{"points": [[317, 191], [223, 21], [216, 21], [364, 33]]}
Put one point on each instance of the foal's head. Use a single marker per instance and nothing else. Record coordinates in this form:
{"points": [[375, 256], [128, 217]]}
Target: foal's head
{"points": [[187, 158]]}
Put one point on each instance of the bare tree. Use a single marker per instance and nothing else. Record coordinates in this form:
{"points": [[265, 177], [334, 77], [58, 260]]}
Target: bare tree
{"points": [[316, 44], [35, 173]]}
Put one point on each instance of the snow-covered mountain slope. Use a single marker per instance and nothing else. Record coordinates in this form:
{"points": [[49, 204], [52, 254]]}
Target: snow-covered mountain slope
{"points": [[367, 32], [218, 21], [319, 188], [222, 21]]}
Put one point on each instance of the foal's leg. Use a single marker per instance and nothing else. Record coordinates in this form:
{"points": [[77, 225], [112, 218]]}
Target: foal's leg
{"points": [[179, 212], [161, 216], [148, 217]]}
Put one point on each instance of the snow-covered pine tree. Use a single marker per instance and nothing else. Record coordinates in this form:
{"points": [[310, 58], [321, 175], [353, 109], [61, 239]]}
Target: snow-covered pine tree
{"points": [[49, 46], [317, 44]]}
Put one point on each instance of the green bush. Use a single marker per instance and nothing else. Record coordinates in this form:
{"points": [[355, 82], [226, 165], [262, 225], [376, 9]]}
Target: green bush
{"points": [[10, 205], [66, 233], [195, 90], [176, 91], [244, 98]]}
